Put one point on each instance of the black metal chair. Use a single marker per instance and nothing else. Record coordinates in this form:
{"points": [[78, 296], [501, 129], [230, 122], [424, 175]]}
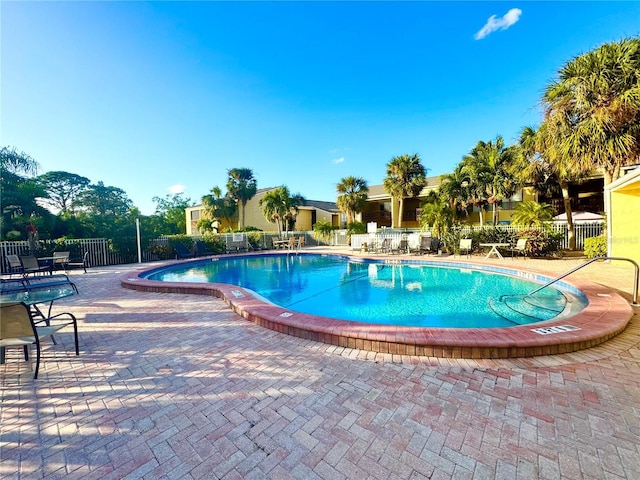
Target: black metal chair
{"points": [[202, 250], [183, 252], [18, 328], [83, 264]]}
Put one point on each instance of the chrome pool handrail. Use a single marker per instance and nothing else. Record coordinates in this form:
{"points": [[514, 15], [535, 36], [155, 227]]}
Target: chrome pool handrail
{"points": [[635, 279]]}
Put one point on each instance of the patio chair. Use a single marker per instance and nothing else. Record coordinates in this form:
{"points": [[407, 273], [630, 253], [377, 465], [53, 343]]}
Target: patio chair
{"points": [[384, 246], [182, 252], [83, 264], [237, 243], [14, 265], [520, 248], [18, 328], [466, 246], [60, 259], [428, 245], [30, 265], [403, 247], [202, 250]]}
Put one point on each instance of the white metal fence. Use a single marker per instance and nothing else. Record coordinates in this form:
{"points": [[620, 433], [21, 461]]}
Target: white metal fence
{"points": [[582, 231], [102, 253]]}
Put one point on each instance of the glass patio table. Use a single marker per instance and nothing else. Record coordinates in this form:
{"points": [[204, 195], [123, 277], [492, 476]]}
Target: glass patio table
{"points": [[33, 296]]}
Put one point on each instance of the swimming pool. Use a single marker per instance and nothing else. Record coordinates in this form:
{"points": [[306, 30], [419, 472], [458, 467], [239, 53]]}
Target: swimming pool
{"points": [[414, 294], [605, 316]]}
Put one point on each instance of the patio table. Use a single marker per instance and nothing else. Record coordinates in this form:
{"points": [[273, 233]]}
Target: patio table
{"points": [[32, 296], [494, 249], [46, 262]]}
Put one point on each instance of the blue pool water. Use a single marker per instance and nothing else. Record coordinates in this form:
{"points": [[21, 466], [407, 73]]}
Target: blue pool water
{"points": [[391, 293]]}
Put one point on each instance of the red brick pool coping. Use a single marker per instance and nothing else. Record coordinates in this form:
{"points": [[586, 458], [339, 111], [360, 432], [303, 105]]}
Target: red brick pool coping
{"points": [[606, 315]]}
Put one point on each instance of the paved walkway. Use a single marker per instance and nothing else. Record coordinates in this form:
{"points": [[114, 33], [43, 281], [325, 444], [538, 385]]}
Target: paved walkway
{"points": [[173, 386]]}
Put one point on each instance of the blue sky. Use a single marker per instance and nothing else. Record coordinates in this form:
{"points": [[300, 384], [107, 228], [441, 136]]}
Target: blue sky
{"points": [[159, 97]]}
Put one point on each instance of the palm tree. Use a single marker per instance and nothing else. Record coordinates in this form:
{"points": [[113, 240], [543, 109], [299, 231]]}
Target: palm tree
{"points": [[489, 166], [218, 206], [454, 187], [543, 154], [279, 206], [596, 103], [242, 186], [406, 177], [437, 213], [530, 214], [352, 196]]}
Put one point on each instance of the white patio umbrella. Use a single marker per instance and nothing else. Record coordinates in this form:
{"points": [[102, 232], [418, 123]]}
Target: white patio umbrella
{"points": [[580, 217]]}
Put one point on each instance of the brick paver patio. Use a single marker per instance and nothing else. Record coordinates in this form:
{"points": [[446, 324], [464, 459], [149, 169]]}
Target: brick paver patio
{"points": [[174, 386]]}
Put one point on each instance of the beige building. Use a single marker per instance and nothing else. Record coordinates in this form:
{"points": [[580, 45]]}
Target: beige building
{"points": [[308, 215], [379, 206]]}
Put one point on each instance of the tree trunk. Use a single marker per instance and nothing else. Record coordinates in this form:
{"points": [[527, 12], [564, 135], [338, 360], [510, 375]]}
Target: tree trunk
{"points": [[495, 213], [400, 211], [241, 215], [610, 176], [567, 209]]}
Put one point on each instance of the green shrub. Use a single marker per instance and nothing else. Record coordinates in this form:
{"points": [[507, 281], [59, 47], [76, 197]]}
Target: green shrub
{"points": [[595, 246], [356, 228], [162, 250], [540, 243], [184, 240], [214, 242], [322, 230], [255, 238]]}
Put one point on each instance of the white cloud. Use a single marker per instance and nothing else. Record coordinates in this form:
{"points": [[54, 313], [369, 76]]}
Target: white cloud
{"points": [[336, 161], [493, 24], [177, 188]]}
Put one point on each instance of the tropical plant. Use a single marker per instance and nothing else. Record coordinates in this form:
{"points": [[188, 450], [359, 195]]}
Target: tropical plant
{"points": [[489, 167], [214, 242], [454, 188], [280, 207], [596, 246], [437, 214], [216, 206], [21, 212], [356, 228], [532, 214], [406, 177], [352, 196], [242, 187], [595, 103], [540, 242], [543, 158], [322, 230]]}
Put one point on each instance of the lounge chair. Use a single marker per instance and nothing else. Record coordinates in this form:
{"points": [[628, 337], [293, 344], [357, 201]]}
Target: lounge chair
{"points": [[403, 247], [183, 252], [384, 246], [60, 259], [18, 328], [30, 265], [237, 243], [465, 246], [428, 245], [520, 248], [202, 250]]}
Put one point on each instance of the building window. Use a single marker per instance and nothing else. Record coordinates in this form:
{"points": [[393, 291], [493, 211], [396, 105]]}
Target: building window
{"points": [[195, 215]]}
